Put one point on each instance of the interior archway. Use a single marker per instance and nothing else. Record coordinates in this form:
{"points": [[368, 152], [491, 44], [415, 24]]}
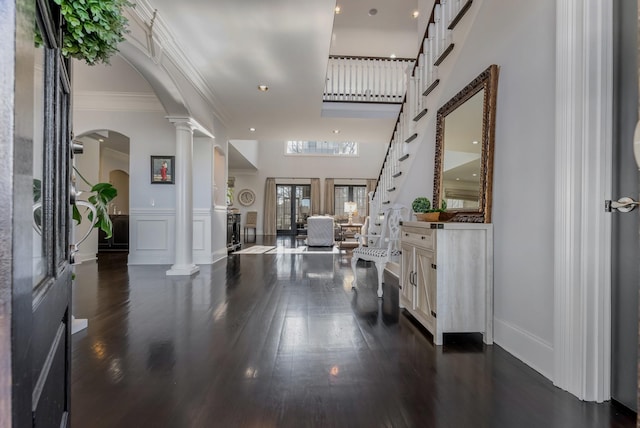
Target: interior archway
{"points": [[105, 159]]}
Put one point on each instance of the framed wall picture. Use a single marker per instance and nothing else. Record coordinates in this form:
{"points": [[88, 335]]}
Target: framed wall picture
{"points": [[163, 169]]}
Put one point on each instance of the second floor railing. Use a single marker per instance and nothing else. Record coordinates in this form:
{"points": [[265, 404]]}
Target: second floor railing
{"points": [[366, 79]]}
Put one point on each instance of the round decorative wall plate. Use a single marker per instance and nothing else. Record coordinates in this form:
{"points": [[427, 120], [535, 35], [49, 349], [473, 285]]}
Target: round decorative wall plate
{"points": [[246, 197]]}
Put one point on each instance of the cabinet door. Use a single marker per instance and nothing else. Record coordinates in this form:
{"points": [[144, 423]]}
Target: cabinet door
{"points": [[408, 267], [425, 302]]}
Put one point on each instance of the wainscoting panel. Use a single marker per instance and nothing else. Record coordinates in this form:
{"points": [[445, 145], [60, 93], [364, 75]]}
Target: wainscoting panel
{"points": [[152, 236], [202, 236]]}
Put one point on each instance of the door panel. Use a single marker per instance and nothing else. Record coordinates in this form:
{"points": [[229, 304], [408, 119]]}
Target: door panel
{"points": [[293, 202], [35, 220], [625, 254], [407, 288], [425, 293]]}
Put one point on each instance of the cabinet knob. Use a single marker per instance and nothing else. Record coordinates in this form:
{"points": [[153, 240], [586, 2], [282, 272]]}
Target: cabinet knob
{"points": [[422, 237]]}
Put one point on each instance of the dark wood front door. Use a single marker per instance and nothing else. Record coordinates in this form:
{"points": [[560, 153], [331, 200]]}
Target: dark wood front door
{"points": [[35, 273]]}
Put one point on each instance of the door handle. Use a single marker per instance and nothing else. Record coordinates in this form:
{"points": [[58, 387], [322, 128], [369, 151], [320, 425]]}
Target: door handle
{"points": [[623, 205]]}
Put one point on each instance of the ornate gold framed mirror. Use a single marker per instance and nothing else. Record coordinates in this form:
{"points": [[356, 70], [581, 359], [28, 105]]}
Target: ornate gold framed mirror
{"points": [[463, 171]]}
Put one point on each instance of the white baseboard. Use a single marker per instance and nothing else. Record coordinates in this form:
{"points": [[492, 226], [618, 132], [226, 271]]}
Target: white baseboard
{"points": [[85, 257], [150, 259], [530, 349]]}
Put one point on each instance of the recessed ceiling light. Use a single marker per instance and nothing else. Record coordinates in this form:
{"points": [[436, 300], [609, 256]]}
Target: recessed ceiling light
{"points": [[101, 140], [457, 179], [336, 131], [392, 56], [252, 129], [415, 14], [474, 142], [263, 88], [475, 175], [337, 10], [373, 11]]}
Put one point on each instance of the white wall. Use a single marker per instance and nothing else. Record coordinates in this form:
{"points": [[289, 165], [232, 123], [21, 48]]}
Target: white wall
{"points": [[119, 76], [518, 36], [274, 163], [248, 149]]}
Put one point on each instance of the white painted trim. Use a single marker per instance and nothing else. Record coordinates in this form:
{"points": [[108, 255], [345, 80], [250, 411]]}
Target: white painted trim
{"points": [[582, 271], [85, 257], [152, 212], [525, 346], [159, 33], [116, 101]]}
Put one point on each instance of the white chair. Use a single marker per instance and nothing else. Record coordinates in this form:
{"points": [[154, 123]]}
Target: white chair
{"points": [[382, 248]]}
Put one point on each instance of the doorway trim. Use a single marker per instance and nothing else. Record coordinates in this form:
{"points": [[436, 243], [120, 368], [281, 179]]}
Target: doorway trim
{"points": [[582, 271]]}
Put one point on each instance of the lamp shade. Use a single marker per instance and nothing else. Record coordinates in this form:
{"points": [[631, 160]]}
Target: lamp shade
{"points": [[350, 207]]}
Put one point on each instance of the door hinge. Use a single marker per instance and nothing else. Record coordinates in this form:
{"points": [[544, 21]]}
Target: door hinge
{"points": [[433, 314], [433, 266]]}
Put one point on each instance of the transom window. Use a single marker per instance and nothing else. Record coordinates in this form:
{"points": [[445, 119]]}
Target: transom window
{"points": [[323, 148]]}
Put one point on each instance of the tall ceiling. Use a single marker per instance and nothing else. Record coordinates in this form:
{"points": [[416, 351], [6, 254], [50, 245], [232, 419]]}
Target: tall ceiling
{"points": [[237, 45]]}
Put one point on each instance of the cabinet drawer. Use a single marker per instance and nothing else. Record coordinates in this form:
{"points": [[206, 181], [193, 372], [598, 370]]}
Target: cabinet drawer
{"points": [[424, 238]]}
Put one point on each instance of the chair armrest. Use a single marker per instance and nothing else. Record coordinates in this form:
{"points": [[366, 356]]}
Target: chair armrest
{"points": [[368, 238]]}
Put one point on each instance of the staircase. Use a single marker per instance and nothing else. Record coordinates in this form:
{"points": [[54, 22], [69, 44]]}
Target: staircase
{"points": [[422, 79]]}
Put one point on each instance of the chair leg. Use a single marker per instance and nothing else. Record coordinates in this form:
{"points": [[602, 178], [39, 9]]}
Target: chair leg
{"points": [[354, 261], [380, 268]]}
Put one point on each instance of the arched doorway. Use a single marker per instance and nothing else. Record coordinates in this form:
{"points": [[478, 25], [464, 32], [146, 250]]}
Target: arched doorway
{"points": [[105, 159]]}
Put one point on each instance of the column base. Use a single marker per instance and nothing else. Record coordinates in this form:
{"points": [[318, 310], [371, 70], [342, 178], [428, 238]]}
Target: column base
{"points": [[78, 324], [178, 270]]}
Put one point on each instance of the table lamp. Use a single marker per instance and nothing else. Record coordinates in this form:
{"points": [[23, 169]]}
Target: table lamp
{"points": [[350, 208]]}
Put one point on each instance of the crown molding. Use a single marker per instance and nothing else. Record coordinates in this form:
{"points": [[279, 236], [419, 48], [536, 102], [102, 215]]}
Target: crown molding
{"points": [[117, 101]]}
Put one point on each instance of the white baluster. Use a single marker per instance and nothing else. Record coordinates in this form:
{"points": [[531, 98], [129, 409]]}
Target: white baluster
{"points": [[334, 80], [444, 8], [417, 91], [438, 28], [432, 43], [443, 30]]}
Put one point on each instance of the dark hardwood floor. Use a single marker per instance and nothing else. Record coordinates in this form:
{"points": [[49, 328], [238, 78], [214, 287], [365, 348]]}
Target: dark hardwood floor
{"points": [[281, 340]]}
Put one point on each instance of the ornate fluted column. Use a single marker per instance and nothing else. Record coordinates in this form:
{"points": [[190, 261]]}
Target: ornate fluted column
{"points": [[184, 198]]}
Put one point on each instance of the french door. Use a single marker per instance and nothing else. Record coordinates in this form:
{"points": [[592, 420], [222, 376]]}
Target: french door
{"points": [[293, 206], [35, 273]]}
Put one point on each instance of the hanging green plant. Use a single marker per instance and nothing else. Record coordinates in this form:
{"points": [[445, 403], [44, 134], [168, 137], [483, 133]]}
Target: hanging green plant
{"points": [[93, 28]]}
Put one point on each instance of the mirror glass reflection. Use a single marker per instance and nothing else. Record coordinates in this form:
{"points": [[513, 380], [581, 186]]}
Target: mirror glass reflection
{"points": [[462, 167]]}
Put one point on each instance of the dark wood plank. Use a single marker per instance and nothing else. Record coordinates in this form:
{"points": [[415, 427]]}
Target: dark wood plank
{"points": [[282, 340]]}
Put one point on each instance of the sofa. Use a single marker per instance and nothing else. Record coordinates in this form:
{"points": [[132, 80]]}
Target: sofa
{"points": [[320, 231]]}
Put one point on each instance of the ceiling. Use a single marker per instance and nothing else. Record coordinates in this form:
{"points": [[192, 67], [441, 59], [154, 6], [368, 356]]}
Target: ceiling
{"points": [[285, 44]]}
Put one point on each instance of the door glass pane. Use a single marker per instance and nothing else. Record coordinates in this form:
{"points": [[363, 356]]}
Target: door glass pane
{"points": [[283, 208], [303, 205], [39, 186], [62, 200], [360, 198], [341, 194]]}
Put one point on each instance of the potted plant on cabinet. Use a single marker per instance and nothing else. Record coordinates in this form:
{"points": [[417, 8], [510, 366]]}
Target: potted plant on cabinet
{"points": [[425, 212]]}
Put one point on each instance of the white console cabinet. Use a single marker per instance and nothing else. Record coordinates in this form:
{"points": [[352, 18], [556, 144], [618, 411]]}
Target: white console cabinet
{"points": [[446, 277]]}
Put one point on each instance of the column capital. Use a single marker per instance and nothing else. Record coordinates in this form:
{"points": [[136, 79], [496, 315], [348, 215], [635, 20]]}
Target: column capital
{"points": [[183, 123], [189, 124]]}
